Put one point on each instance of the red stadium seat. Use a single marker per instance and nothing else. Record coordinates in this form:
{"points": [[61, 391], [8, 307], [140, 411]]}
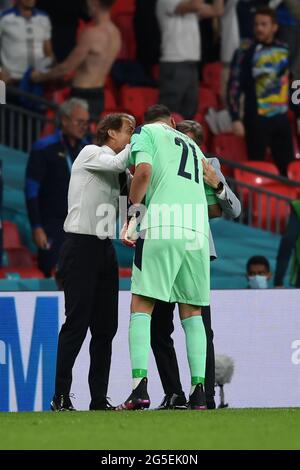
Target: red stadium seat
{"points": [[109, 100], [270, 213], [293, 170], [135, 100], [124, 272], [124, 21], [19, 258], [293, 173], [231, 147], [24, 273], [253, 179], [212, 76], [207, 99], [123, 6], [49, 127], [59, 96], [11, 236]]}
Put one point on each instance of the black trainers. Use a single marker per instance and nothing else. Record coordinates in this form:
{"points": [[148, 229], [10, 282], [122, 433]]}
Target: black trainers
{"points": [[173, 402], [210, 403], [138, 400], [197, 399], [103, 405], [62, 403]]}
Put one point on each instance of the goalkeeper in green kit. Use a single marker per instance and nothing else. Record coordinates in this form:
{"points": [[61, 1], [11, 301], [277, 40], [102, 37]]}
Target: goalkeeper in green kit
{"points": [[172, 252]]}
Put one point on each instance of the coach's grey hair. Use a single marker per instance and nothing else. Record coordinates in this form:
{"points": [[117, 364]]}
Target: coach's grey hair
{"points": [[67, 107]]}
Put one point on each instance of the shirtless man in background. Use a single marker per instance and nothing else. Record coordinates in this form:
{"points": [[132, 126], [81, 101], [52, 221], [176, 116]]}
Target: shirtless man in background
{"points": [[92, 58]]}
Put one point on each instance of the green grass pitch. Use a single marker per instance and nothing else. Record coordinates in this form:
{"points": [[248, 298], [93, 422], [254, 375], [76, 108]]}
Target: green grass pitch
{"points": [[158, 430]]}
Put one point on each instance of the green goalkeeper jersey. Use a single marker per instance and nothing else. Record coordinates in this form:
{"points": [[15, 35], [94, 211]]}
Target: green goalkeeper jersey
{"points": [[176, 194]]}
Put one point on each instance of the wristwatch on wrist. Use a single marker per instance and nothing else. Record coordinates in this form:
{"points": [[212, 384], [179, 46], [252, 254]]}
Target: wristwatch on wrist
{"points": [[220, 187]]}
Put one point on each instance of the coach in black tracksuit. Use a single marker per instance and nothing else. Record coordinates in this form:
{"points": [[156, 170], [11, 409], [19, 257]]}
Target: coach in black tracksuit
{"points": [[162, 317], [87, 268]]}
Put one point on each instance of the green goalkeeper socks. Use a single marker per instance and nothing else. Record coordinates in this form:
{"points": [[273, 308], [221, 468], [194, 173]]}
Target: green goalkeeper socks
{"points": [[195, 338], [139, 345]]}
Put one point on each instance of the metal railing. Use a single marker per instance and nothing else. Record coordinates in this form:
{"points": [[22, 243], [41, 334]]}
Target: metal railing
{"points": [[21, 126], [262, 207], [250, 169]]}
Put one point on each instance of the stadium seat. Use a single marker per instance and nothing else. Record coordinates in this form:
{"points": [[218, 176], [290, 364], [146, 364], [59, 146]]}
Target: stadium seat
{"points": [[269, 212], [135, 100], [253, 179], [124, 272], [293, 170], [293, 173], [19, 258], [109, 100], [25, 273], [207, 99], [59, 96], [123, 6], [11, 236], [50, 126], [231, 147], [124, 21], [212, 76]]}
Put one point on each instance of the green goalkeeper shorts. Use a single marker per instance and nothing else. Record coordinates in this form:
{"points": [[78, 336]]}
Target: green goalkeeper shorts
{"points": [[170, 269]]}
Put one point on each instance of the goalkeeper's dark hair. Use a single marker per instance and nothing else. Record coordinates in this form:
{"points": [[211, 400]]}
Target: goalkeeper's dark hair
{"points": [[111, 122], [156, 112], [258, 260], [194, 127]]}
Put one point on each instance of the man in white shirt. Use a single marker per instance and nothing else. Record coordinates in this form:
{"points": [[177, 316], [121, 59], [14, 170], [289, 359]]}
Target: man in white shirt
{"points": [[25, 40], [88, 268], [181, 51]]}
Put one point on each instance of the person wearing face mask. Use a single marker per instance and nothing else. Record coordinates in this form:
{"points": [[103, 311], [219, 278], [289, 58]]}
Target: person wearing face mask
{"points": [[258, 272]]}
